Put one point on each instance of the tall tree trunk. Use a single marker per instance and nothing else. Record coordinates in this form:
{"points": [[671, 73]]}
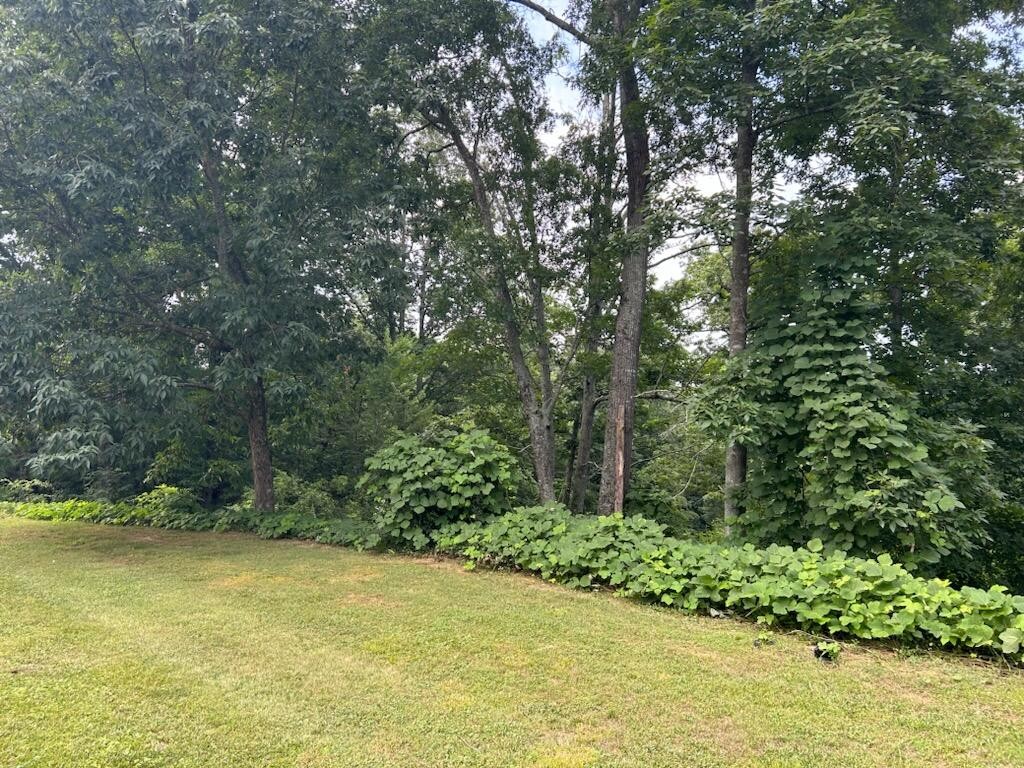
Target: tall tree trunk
{"points": [[743, 166], [618, 436], [570, 463], [602, 219], [229, 263], [537, 410], [543, 440], [578, 470], [546, 385], [259, 448]]}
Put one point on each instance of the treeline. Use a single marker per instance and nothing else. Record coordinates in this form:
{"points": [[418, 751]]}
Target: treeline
{"points": [[243, 238]]}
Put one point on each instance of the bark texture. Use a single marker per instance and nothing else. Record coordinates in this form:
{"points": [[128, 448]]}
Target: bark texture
{"points": [[601, 223], [618, 437]]}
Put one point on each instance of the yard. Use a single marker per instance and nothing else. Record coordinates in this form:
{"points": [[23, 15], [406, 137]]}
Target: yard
{"points": [[140, 647]]}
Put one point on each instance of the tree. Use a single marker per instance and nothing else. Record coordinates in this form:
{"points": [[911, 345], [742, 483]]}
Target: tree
{"points": [[611, 33], [190, 170], [887, 102], [844, 456], [775, 86], [471, 78]]}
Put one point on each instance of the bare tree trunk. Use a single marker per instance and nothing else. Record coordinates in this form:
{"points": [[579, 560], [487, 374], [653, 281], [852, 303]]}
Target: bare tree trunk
{"points": [[538, 414], [743, 163], [578, 470], [546, 412], [259, 449], [543, 438], [618, 438], [231, 265], [570, 462]]}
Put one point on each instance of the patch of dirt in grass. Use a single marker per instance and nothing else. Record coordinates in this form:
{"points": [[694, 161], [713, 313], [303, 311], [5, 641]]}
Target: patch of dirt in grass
{"points": [[120, 560], [441, 563], [24, 669], [312, 759], [727, 738]]}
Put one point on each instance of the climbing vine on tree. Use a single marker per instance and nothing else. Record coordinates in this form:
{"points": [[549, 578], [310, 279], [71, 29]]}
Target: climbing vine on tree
{"points": [[841, 454]]}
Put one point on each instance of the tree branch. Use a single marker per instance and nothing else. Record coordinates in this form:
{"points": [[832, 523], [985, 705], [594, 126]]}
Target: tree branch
{"points": [[559, 22]]}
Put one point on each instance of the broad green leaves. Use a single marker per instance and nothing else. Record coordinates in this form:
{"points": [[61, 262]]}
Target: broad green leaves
{"points": [[838, 453], [421, 482]]}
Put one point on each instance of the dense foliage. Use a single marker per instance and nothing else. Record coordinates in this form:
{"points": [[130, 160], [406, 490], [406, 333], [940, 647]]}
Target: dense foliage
{"points": [[308, 512], [424, 481], [846, 459]]}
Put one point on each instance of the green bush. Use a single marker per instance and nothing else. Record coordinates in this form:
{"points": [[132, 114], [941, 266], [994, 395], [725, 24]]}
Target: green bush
{"points": [[342, 530], [176, 508], [805, 588], [163, 507], [421, 482], [80, 510], [658, 505], [1003, 559], [25, 490], [168, 507]]}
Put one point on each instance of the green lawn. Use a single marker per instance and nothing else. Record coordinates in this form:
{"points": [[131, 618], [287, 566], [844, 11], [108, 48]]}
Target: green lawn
{"points": [[138, 647]]}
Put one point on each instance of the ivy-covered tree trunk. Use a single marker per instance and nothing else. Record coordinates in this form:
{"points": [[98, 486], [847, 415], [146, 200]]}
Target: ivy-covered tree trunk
{"points": [[736, 454], [618, 437], [259, 448]]}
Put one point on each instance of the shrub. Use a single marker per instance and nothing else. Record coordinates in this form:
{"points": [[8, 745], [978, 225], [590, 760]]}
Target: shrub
{"points": [[344, 530], [806, 588], [303, 513], [295, 496], [163, 507], [421, 482], [168, 507], [25, 490], [658, 505], [1003, 559], [81, 510]]}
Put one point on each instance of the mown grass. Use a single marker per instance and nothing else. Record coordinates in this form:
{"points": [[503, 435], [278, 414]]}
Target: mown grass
{"points": [[137, 647]]}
